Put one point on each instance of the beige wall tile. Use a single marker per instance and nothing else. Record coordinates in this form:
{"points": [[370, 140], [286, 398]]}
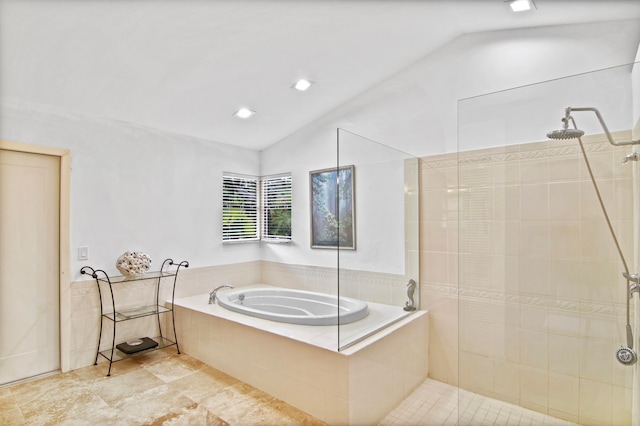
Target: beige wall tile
{"points": [[507, 379], [534, 276], [562, 356], [596, 402], [534, 349], [564, 393], [621, 406], [534, 389], [596, 360], [506, 202], [534, 170], [553, 275], [566, 167], [534, 239], [565, 279], [476, 373]]}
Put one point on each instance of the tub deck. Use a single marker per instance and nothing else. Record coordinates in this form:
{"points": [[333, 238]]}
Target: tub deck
{"points": [[325, 337], [301, 364]]}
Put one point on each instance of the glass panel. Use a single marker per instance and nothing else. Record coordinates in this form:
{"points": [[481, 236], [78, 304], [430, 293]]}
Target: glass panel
{"points": [[541, 296], [377, 223]]}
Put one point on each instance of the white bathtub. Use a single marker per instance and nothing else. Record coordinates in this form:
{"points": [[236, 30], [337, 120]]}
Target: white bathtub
{"points": [[304, 365], [293, 306]]}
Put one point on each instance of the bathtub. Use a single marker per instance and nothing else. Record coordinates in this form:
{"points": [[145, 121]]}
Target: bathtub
{"points": [[293, 306], [304, 365]]}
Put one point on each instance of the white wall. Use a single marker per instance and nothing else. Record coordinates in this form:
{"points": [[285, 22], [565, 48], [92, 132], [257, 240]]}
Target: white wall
{"points": [[139, 189], [527, 113], [636, 88], [379, 200], [416, 111], [135, 188]]}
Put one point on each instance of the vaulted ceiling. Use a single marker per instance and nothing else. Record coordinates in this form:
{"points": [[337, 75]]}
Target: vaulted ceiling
{"points": [[186, 66]]}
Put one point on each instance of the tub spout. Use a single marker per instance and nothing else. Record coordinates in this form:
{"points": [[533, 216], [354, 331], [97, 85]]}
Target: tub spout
{"points": [[634, 156], [213, 294]]}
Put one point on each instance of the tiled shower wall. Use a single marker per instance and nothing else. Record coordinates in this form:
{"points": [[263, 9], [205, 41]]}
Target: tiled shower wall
{"points": [[521, 277]]}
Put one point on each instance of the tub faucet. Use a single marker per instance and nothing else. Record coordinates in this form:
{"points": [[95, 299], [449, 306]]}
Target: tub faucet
{"points": [[634, 156], [212, 295]]}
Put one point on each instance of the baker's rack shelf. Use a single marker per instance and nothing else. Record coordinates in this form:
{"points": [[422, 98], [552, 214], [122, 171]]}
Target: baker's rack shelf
{"points": [[116, 316]]}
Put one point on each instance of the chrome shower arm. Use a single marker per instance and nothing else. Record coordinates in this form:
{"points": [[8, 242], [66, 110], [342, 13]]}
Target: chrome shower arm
{"points": [[602, 123]]}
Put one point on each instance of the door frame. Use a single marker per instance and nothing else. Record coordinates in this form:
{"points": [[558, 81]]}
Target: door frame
{"points": [[65, 244]]}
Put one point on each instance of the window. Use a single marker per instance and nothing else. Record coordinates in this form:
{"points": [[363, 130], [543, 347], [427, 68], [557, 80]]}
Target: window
{"points": [[239, 208], [243, 205], [276, 208]]}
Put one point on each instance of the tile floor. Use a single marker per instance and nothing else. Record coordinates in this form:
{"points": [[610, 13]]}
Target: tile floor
{"points": [[436, 403], [158, 388], [163, 388]]}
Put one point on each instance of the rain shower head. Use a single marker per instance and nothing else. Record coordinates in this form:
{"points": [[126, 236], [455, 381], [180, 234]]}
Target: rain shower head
{"points": [[563, 134], [566, 133]]}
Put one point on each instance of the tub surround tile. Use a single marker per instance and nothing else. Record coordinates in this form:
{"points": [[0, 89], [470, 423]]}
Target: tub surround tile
{"points": [[331, 385]]}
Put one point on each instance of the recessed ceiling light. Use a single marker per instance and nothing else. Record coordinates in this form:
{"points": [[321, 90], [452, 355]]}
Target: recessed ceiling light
{"points": [[302, 84], [521, 5], [244, 113]]}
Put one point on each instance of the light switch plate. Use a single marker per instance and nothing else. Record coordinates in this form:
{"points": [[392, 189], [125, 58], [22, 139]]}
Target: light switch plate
{"points": [[83, 253]]}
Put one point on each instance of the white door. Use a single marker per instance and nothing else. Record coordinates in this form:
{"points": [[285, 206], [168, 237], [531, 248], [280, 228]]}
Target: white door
{"points": [[29, 265]]}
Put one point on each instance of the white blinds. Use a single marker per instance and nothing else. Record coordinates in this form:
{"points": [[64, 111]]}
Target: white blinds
{"points": [[239, 208], [276, 207]]}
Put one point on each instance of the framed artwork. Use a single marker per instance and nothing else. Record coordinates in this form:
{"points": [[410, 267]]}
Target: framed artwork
{"points": [[333, 214]]}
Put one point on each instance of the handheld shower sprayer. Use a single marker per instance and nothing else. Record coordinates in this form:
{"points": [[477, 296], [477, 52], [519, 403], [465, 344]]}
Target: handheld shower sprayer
{"points": [[625, 355]]}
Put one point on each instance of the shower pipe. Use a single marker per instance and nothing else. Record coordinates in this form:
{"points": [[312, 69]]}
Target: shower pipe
{"points": [[625, 355]]}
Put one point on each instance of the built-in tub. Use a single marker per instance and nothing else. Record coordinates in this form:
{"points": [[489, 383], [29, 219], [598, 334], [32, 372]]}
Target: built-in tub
{"points": [[293, 306], [303, 365]]}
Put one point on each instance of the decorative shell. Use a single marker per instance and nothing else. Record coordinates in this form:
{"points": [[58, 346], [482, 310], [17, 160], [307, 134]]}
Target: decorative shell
{"points": [[133, 264]]}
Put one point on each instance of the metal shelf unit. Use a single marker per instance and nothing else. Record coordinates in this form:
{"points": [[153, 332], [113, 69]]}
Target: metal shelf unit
{"points": [[116, 316]]}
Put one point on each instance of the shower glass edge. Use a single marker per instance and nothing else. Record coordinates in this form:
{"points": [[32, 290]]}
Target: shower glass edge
{"points": [[379, 253]]}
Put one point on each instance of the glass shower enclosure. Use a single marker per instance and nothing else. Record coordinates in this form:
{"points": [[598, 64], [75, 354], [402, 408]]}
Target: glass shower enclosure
{"points": [[541, 297], [376, 231]]}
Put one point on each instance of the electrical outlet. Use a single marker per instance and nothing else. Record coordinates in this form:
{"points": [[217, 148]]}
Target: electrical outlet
{"points": [[83, 253]]}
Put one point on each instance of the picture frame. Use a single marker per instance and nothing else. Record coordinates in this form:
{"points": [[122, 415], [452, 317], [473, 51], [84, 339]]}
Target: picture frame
{"points": [[333, 214]]}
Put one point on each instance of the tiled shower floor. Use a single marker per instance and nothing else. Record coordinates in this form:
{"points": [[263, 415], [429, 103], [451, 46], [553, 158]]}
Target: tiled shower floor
{"points": [[437, 403], [163, 388]]}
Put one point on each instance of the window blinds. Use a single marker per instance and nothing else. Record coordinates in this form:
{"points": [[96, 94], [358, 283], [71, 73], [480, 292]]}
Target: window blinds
{"points": [[276, 208], [239, 208]]}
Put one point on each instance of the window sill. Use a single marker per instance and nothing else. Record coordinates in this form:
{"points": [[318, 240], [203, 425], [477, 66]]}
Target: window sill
{"points": [[275, 241], [240, 241]]}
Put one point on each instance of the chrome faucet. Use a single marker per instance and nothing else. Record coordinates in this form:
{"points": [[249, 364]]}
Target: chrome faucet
{"points": [[634, 156], [212, 295]]}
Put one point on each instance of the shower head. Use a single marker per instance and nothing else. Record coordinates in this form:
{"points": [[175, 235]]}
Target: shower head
{"points": [[565, 134]]}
